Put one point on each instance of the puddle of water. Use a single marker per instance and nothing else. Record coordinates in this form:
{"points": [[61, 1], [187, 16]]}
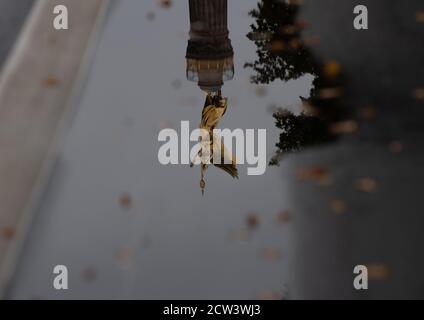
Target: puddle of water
{"points": [[142, 229]]}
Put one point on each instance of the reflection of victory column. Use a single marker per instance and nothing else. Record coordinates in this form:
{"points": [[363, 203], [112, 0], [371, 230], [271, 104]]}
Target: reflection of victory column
{"points": [[210, 63], [209, 51]]}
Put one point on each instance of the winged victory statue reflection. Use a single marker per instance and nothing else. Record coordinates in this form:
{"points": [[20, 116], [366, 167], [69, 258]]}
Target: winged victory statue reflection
{"points": [[209, 63]]}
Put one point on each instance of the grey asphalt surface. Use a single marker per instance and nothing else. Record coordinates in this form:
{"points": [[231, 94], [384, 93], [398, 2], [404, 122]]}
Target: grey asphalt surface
{"points": [[383, 66], [12, 15]]}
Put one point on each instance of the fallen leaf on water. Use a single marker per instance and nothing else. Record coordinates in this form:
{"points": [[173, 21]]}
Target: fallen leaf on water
{"points": [[419, 16], [268, 295], [7, 233], [344, 127], [311, 41], [330, 93], [302, 24], [283, 217], [277, 46], [368, 113], [270, 254], [312, 173], [396, 146], [338, 206], [163, 124], [368, 185], [325, 181], [318, 174], [89, 274], [419, 94], [378, 271], [289, 29], [125, 257], [295, 44], [51, 81], [125, 200], [332, 69], [252, 220], [166, 4]]}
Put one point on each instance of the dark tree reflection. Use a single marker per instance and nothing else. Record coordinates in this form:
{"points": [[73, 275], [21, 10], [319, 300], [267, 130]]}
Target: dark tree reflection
{"points": [[282, 54], [322, 119], [298, 132]]}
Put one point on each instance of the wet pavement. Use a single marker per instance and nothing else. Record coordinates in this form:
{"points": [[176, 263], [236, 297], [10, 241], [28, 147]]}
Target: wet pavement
{"points": [[12, 17], [376, 173], [128, 227]]}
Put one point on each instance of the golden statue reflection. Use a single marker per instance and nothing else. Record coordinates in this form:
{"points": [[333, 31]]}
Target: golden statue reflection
{"points": [[210, 63], [214, 109]]}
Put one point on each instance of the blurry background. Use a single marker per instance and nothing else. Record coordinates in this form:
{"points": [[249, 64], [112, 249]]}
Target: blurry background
{"points": [[127, 227]]}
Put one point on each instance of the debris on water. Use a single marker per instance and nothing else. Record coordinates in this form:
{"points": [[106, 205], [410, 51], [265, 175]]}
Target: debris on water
{"points": [[419, 16], [51, 81], [311, 41], [289, 29], [271, 254], [367, 185], [163, 124], [252, 220], [378, 271], [125, 201], [7, 233], [295, 44], [317, 174], [165, 4], [283, 217], [396, 146], [330, 93], [419, 94], [338, 206], [89, 274], [332, 69], [344, 127], [368, 113], [277, 46], [125, 257], [269, 295]]}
